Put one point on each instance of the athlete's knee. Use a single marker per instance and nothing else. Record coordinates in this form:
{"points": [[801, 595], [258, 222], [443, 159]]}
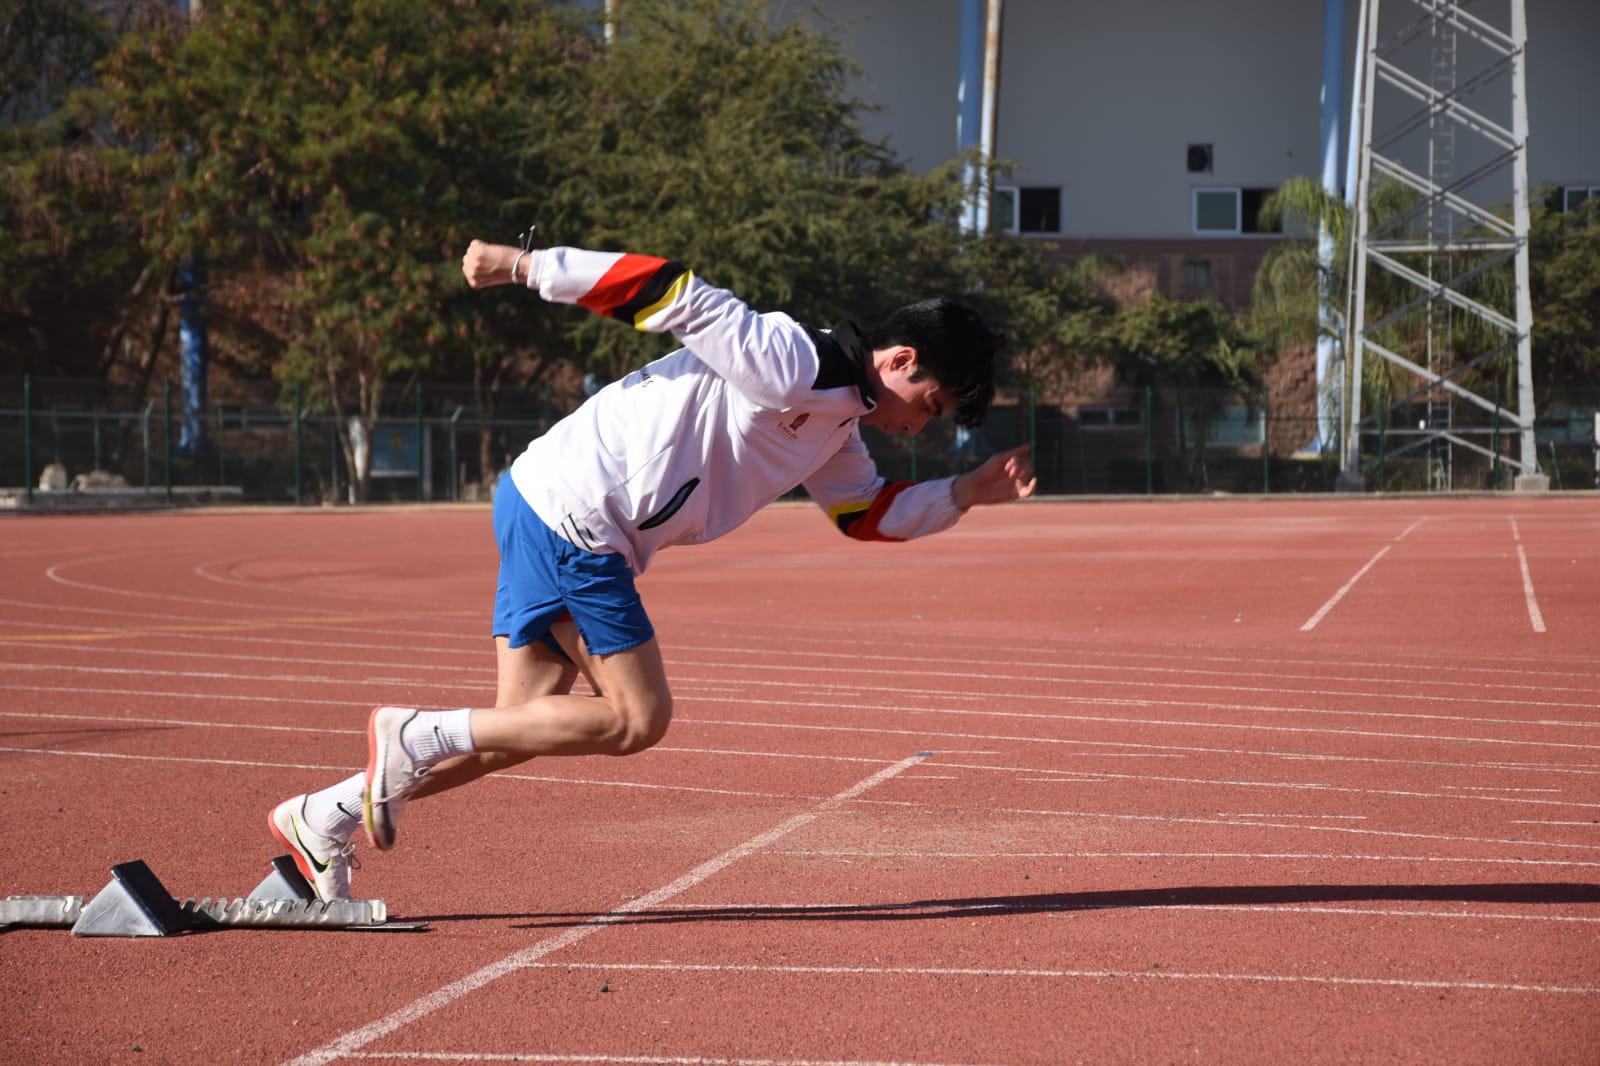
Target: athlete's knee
{"points": [[642, 722]]}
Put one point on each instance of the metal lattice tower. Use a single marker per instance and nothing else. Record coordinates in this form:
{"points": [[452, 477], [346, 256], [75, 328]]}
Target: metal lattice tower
{"points": [[1453, 287]]}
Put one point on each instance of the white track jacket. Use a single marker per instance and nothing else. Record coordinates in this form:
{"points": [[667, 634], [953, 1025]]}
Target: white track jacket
{"points": [[688, 447]]}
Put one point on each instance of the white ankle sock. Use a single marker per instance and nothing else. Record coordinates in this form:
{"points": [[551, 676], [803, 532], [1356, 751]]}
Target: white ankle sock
{"points": [[336, 810], [436, 735]]}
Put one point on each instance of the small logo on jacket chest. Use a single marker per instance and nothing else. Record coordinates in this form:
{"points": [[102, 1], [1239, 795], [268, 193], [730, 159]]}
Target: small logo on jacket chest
{"points": [[792, 429]]}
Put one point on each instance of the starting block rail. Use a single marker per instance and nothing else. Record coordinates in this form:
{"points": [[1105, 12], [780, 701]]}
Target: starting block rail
{"points": [[135, 903]]}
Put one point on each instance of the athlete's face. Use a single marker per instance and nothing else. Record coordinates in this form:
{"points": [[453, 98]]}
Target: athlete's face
{"points": [[905, 405]]}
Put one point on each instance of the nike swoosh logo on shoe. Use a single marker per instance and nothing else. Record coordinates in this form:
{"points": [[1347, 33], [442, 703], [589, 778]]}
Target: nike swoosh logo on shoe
{"points": [[320, 867], [347, 812]]}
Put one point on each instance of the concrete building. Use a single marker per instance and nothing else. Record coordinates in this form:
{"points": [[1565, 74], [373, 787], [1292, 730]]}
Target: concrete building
{"points": [[1152, 128]]}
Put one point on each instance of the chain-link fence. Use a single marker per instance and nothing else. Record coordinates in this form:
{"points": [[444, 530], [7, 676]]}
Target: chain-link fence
{"points": [[255, 442]]}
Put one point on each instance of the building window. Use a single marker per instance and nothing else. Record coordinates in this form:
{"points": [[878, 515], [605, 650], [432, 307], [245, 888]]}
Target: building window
{"points": [[1230, 426], [1197, 274], [1231, 211], [1574, 197], [1025, 209], [1110, 416], [1216, 210]]}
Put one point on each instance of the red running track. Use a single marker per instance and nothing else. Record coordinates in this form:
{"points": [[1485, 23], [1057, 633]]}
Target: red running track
{"points": [[1162, 815]]}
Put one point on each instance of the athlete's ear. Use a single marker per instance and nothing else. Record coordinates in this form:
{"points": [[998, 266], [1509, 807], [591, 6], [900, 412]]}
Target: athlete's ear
{"points": [[904, 359]]}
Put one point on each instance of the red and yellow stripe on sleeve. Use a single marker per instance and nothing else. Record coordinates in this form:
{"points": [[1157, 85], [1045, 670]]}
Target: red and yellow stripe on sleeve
{"points": [[860, 518], [637, 287]]}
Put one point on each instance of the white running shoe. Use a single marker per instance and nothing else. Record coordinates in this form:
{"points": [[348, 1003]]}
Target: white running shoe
{"points": [[324, 861], [392, 775]]}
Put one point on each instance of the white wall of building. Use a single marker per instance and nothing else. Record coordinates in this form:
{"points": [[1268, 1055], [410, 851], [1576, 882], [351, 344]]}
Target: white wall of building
{"points": [[1103, 99]]}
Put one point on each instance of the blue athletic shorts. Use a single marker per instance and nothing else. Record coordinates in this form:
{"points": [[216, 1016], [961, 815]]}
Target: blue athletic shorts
{"points": [[543, 580]]}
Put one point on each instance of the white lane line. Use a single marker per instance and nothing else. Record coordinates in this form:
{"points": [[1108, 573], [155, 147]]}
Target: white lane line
{"points": [[1487, 788], [1174, 819], [1337, 817], [1542, 821], [690, 690], [832, 910], [210, 761], [1322, 612], [357, 1039], [1159, 751], [476, 641], [1527, 581], [631, 1060], [1189, 856], [1136, 975], [1149, 723], [1185, 653], [678, 662]]}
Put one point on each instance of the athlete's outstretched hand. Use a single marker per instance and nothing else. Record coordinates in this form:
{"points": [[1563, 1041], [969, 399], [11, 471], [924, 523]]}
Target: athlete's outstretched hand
{"points": [[1002, 478], [490, 264]]}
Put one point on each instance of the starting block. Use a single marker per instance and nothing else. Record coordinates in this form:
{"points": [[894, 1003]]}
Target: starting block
{"points": [[136, 903]]}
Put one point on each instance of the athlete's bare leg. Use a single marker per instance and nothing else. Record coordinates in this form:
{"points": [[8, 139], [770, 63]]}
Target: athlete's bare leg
{"points": [[630, 714], [522, 674]]}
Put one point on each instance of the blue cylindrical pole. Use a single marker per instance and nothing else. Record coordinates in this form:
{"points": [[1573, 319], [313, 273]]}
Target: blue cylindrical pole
{"points": [[27, 436], [969, 101]]}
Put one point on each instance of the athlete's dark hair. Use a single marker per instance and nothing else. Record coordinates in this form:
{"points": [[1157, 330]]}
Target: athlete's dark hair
{"points": [[954, 346]]}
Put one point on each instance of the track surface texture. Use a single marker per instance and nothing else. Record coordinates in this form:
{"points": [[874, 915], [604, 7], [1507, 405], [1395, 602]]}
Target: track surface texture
{"points": [[1238, 781]]}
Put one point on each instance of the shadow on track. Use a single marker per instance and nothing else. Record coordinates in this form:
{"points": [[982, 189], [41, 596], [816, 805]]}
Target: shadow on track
{"points": [[1051, 902]]}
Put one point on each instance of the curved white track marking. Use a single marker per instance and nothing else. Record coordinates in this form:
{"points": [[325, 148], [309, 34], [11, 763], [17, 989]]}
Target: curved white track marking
{"points": [[189, 722], [54, 574], [1134, 975], [291, 621], [828, 910], [948, 693], [357, 1039], [364, 707], [207, 761], [203, 571], [211, 761]]}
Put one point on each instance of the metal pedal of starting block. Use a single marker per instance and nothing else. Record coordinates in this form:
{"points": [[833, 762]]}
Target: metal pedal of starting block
{"points": [[284, 882], [135, 903]]}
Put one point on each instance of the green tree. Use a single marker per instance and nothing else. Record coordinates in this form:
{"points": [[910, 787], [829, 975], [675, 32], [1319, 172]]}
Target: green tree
{"points": [[1564, 279], [726, 139], [81, 295], [350, 150]]}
